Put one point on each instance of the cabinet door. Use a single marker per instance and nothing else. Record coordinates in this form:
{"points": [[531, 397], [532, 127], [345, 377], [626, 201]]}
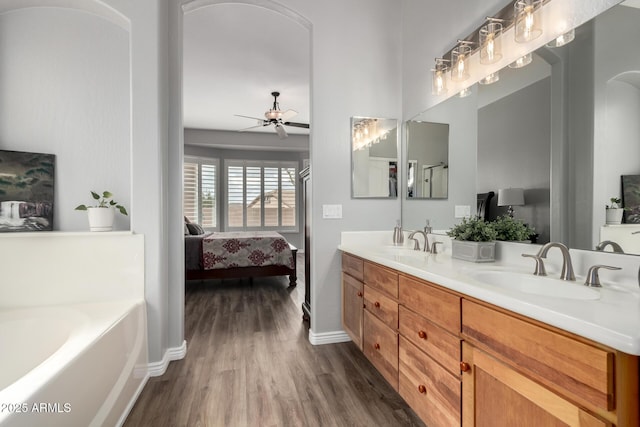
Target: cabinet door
{"points": [[495, 395], [352, 307]]}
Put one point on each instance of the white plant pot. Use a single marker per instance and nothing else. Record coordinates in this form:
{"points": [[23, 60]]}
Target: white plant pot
{"points": [[473, 251], [101, 219], [614, 216]]}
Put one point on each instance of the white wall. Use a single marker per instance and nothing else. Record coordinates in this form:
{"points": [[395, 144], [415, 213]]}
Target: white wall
{"points": [[64, 80]]}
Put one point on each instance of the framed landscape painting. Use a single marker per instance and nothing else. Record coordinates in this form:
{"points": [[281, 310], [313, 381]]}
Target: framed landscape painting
{"points": [[631, 198], [26, 191]]}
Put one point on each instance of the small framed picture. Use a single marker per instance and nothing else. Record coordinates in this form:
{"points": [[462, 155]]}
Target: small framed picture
{"points": [[631, 198]]}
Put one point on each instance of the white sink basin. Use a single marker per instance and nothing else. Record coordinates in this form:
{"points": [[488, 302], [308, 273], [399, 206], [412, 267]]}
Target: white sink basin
{"points": [[536, 285]]}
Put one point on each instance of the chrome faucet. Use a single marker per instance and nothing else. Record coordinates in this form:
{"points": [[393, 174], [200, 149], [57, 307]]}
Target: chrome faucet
{"points": [[416, 245], [567, 267], [616, 247]]}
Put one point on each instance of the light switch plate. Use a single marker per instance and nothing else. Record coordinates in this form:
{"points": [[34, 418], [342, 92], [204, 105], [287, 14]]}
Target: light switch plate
{"points": [[462, 211], [331, 211]]}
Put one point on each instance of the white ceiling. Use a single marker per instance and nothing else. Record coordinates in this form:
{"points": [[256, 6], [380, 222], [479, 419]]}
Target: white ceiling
{"points": [[235, 55]]}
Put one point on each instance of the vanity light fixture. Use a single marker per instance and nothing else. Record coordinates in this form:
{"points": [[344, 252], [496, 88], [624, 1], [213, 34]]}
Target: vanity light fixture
{"points": [[491, 78], [490, 41], [460, 61], [464, 92], [439, 77], [528, 23], [522, 61], [565, 38]]}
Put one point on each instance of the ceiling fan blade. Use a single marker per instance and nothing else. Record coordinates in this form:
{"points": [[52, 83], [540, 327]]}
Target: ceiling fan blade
{"points": [[297, 125], [289, 114], [251, 127], [282, 133], [253, 118]]}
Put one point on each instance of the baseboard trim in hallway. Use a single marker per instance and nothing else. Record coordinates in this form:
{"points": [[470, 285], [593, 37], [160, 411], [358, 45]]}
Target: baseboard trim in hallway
{"points": [[333, 337], [157, 369]]}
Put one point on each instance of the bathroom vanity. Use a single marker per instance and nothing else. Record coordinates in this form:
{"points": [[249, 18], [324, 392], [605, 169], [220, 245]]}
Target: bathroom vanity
{"points": [[462, 352]]}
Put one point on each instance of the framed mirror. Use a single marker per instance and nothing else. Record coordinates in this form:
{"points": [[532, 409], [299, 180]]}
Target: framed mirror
{"points": [[427, 160], [559, 128], [374, 157]]}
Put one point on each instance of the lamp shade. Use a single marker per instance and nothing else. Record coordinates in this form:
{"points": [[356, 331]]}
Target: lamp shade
{"points": [[511, 197]]}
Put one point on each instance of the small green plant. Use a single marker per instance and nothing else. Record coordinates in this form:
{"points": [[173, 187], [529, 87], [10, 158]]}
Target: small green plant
{"points": [[104, 201], [616, 203], [473, 229], [510, 229]]}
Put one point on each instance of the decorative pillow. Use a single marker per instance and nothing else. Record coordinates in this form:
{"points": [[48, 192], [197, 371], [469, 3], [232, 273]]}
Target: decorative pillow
{"points": [[186, 230], [187, 220], [195, 229]]}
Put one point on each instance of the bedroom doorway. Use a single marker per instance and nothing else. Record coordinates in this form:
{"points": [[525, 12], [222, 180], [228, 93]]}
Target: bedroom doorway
{"points": [[230, 70]]}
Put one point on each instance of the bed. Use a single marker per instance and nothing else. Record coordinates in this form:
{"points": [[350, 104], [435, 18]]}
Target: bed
{"points": [[222, 255]]}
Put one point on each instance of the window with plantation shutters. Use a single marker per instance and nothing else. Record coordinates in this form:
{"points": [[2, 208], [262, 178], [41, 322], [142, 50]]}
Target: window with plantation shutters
{"points": [[200, 200], [261, 195]]}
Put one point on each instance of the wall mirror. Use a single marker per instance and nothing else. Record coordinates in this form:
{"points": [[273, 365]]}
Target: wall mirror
{"points": [[561, 128], [427, 160], [374, 157]]}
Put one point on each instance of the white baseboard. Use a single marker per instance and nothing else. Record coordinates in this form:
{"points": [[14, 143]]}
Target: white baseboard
{"points": [[174, 353], [333, 337]]}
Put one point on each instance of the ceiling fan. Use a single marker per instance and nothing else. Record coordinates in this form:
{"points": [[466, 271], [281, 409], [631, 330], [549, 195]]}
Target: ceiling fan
{"points": [[278, 118]]}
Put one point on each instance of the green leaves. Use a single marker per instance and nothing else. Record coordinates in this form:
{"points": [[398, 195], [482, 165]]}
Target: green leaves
{"points": [[473, 229], [104, 201], [510, 229]]}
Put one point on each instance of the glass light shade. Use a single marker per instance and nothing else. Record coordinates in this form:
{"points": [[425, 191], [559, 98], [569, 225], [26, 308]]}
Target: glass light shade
{"points": [[563, 39], [439, 78], [460, 62], [522, 61], [491, 78], [464, 92], [490, 43], [528, 23]]}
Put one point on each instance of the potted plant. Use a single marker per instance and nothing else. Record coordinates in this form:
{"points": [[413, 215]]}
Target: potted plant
{"points": [[473, 240], [512, 230], [101, 216], [614, 211]]}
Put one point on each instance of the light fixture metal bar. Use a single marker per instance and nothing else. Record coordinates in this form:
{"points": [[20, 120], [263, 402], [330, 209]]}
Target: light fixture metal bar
{"points": [[505, 14]]}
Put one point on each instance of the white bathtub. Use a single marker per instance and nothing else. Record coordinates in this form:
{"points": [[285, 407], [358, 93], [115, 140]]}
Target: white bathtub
{"points": [[71, 365]]}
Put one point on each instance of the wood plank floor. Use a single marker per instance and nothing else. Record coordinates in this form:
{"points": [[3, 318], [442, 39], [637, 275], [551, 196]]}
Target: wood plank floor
{"points": [[249, 363]]}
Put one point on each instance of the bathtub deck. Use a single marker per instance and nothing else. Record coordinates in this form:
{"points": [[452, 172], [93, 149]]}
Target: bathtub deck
{"points": [[249, 363]]}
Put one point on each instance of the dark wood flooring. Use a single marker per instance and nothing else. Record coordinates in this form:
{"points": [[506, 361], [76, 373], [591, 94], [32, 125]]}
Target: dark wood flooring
{"points": [[249, 363]]}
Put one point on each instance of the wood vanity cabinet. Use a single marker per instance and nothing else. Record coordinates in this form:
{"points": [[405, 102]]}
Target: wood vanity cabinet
{"points": [[352, 297], [517, 371], [458, 361]]}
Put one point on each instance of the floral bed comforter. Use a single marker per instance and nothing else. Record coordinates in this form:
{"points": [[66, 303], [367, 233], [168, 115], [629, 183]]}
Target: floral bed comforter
{"points": [[245, 249]]}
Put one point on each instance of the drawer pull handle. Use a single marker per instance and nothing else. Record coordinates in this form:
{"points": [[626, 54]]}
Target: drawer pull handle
{"points": [[422, 334], [422, 389], [359, 293], [376, 304], [376, 346], [464, 366]]}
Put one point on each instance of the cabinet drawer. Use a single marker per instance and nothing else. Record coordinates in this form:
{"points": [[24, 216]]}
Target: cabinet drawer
{"points": [[561, 363], [381, 278], [432, 392], [441, 307], [433, 340], [381, 348], [383, 307], [353, 266]]}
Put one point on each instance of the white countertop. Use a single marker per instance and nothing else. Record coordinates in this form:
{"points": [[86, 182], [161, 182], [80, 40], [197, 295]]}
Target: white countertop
{"points": [[613, 319]]}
